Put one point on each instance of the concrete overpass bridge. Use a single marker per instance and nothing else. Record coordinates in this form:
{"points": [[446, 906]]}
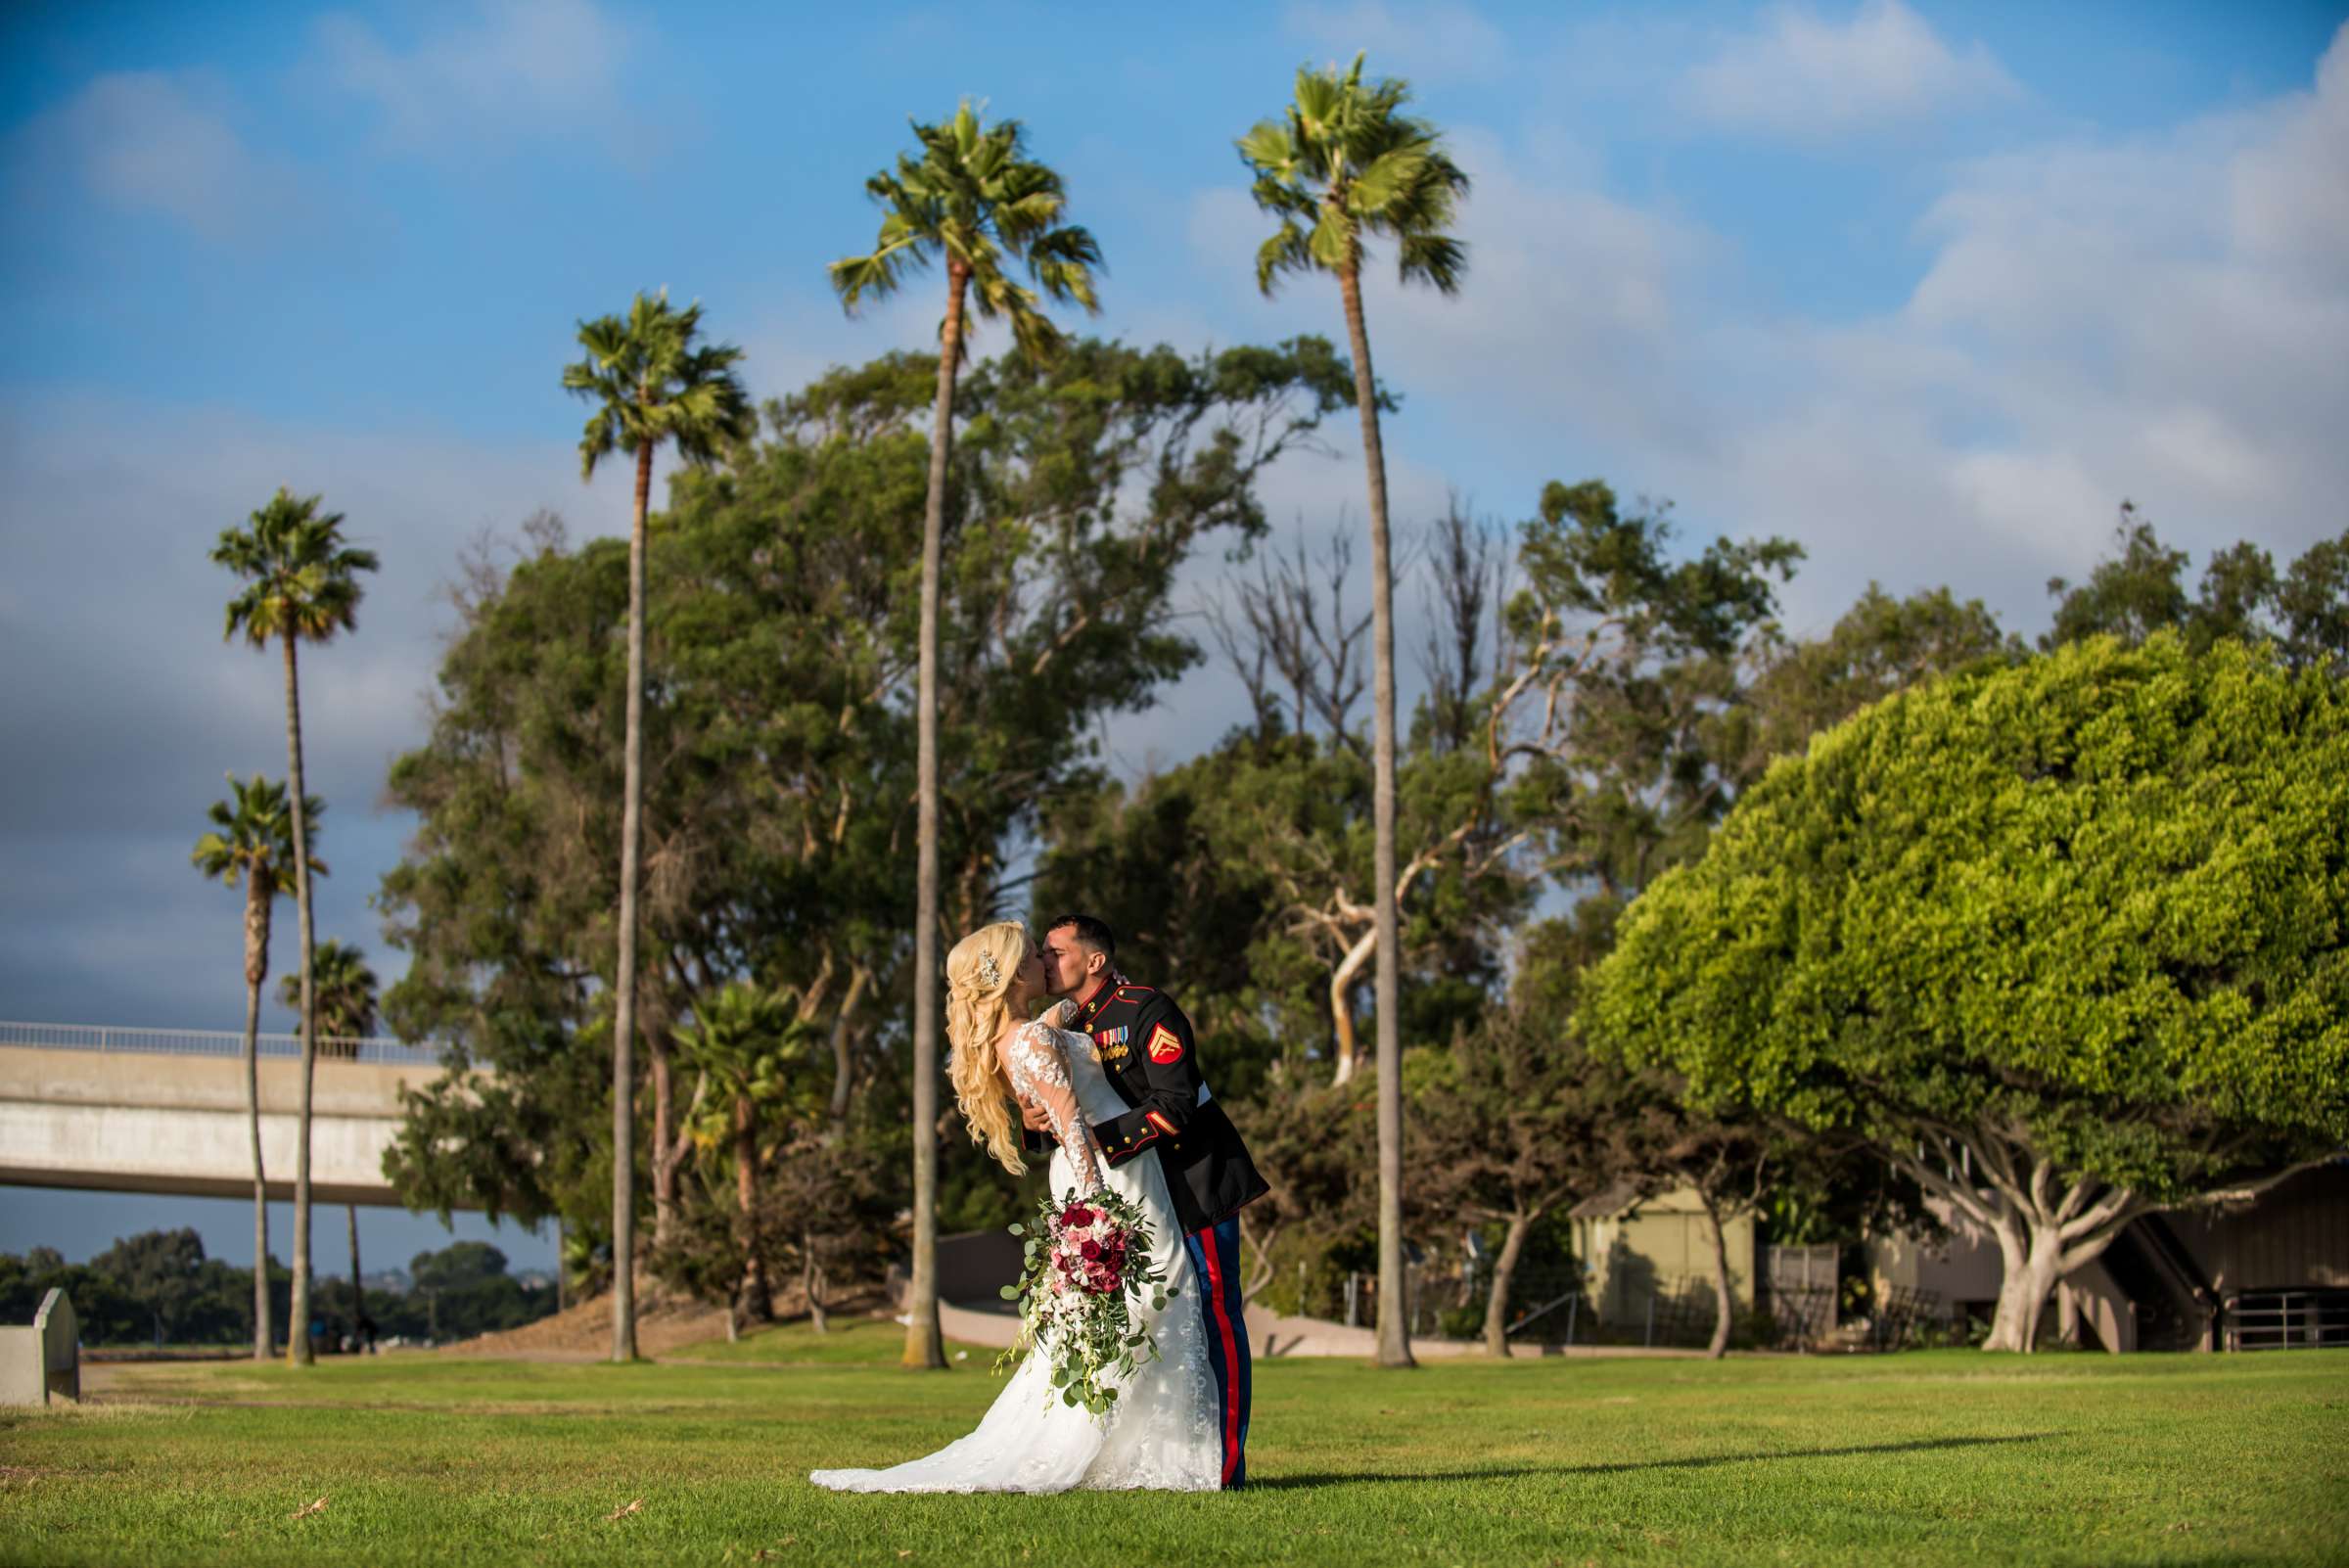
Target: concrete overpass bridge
{"points": [[147, 1110]]}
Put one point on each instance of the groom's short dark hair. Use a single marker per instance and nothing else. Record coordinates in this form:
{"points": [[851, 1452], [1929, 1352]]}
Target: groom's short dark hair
{"points": [[1093, 933]]}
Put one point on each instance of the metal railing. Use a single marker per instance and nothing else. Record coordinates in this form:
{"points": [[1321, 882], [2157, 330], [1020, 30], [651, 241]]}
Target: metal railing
{"points": [[212, 1042], [2287, 1319]]}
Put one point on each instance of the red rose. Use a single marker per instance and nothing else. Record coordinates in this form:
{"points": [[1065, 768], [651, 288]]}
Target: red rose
{"points": [[1077, 1213], [1091, 1250]]}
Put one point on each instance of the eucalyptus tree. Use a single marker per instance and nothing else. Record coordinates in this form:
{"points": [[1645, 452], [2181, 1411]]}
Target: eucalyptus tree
{"points": [[973, 197], [1344, 164], [650, 381], [302, 584], [251, 841], [347, 991]]}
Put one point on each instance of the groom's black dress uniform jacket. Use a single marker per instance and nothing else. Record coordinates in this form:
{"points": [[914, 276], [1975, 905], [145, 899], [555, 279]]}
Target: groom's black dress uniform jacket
{"points": [[1149, 1057]]}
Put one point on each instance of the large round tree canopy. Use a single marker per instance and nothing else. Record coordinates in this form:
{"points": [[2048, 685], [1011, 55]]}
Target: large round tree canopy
{"points": [[2095, 905]]}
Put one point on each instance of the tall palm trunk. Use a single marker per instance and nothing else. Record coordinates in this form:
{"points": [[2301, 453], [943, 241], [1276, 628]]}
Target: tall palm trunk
{"points": [[925, 1347], [358, 1286], [665, 1159], [623, 1024], [259, 891], [297, 1312], [1394, 1330], [758, 1301]]}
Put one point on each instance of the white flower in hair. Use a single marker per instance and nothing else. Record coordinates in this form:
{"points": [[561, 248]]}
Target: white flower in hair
{"points": [[989, 975]]}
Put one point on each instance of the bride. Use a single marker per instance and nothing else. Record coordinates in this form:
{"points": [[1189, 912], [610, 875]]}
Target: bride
{"points": [[1162, 1433]]}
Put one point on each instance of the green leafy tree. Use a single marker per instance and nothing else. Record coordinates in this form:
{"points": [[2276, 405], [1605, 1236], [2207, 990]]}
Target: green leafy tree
{"points": [[1305, 1134], [2136, 593], [302, 584], [2063, 940], [251, 841], [347, 991], [1515, 1122], [973, 198], [2313, 602], [1879, 646], [782, 637], [2141, 589], [650, 381], [461, 1291], [1344, 164], [751, 1050], [157, 1269]]}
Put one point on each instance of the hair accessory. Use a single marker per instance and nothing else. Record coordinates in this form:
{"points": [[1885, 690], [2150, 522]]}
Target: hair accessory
{"points": [[989, 975]]}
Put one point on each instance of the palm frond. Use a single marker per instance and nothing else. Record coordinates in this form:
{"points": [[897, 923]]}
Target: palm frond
{"points": [[971, 197], [1345, 161], [649, 379], [301, 578]]}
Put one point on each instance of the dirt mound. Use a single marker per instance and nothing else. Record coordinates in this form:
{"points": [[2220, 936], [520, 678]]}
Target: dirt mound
{"points": [[665, 1320]]}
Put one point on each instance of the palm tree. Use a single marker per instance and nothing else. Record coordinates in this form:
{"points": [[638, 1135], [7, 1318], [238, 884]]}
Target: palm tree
{"points": [[346, 998], [748, 1046], [302, 584], [971, 195], [1343, 163], [649, 382], [251, 841]]}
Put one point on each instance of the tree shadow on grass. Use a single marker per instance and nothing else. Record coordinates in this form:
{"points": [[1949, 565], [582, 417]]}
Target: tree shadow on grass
{"points": [[1696, 1462]]}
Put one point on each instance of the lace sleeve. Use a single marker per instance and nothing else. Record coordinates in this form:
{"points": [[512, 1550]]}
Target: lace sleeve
{"points": [[1040, 1072]]}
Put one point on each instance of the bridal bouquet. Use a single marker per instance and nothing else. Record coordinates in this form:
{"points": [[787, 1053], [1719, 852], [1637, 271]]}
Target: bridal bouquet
{"points": [[1088, 1262]]}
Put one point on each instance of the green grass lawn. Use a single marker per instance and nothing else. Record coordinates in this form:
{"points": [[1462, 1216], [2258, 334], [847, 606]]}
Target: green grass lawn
{"points": [[1949, 1456]]}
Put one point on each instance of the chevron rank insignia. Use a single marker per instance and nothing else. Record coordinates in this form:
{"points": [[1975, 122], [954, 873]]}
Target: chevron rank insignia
{"points": [[1164, 1046]]}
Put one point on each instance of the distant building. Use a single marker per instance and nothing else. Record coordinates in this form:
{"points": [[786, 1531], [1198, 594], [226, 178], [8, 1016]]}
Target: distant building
{"points": [[2271, 1272], [2268, 1272], [1649, 1261]]}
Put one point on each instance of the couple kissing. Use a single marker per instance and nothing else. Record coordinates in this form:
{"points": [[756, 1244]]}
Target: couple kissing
{"points": [[1107, 1088]]}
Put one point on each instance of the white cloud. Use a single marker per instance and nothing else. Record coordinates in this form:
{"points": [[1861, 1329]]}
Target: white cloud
{"points": [[518, 68], [163, 142], [1439, 43], [1807, 78], [2163, 318]]}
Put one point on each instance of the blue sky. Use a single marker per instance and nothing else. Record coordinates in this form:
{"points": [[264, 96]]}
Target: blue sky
{"points": [[1927, 288]]}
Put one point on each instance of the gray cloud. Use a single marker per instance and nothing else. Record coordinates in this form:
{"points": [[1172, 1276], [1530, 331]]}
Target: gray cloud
{"points": [[126, 707]]}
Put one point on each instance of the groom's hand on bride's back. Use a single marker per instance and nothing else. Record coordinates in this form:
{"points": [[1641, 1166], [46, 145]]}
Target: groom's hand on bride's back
{"points": [[1035, 1120]]}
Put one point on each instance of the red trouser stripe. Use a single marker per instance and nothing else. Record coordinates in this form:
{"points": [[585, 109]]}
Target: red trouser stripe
{"points": [[1232, 1355]]}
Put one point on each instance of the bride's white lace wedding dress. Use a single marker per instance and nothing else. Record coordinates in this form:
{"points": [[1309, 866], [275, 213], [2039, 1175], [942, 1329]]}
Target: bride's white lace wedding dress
{"points": [[1162, 1432]]}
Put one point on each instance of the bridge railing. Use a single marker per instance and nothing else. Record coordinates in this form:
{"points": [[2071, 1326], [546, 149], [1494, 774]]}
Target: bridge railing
{"points": [[212, 1042]]}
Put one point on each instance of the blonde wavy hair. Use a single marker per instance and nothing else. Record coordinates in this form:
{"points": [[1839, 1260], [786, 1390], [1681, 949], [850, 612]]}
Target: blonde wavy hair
{"points": [[976, 1009]]}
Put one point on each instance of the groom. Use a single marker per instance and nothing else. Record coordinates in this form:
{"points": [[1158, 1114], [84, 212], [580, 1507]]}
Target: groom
{"points": [[1147, 1053]]}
